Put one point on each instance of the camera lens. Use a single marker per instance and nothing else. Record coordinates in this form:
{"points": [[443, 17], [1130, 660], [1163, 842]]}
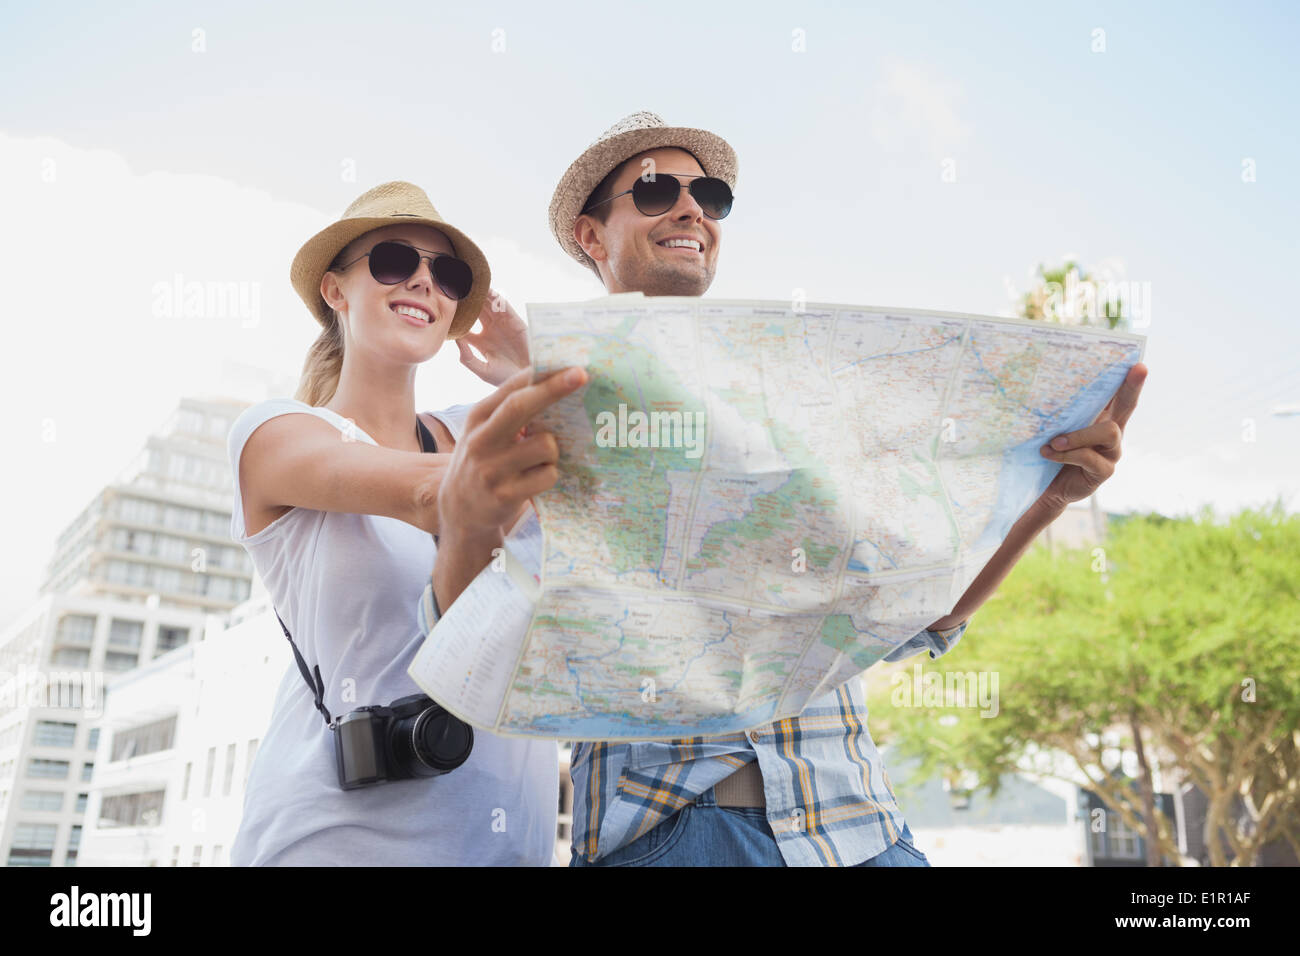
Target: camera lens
{"points": [[431, 742]]}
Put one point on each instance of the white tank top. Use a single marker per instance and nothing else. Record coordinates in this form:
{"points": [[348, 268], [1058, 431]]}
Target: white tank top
{"points": [[348, 587]]}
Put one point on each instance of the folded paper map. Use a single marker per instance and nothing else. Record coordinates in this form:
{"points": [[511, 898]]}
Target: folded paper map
{"points": [[755, 504]]}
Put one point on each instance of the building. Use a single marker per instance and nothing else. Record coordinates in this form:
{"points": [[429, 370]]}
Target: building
{"points": [[133, 578], [1111, 841], [177, 742], [1030, 822], [163, 526], [58, 663]]}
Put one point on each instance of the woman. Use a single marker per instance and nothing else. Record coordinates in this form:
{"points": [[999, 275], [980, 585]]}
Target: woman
{"points": [[335, 500]]}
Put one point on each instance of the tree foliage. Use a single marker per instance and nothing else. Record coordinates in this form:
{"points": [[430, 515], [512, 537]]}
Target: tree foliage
{"points": [[1186, 631]]}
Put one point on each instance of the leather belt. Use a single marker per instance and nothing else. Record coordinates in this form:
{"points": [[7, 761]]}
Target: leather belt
{"points": [[744, 788]]}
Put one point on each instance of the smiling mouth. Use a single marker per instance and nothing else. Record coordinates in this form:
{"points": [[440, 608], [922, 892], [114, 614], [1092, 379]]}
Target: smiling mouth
{"points": [[693, 245], [411, 312]]}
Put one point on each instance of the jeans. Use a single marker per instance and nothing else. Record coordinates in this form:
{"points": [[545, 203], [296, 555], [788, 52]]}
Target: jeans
{"points": [[705, 834]]}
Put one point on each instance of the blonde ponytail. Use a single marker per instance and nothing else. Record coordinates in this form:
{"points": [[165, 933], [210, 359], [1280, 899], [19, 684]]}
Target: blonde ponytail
{"points": [[324, 364]]}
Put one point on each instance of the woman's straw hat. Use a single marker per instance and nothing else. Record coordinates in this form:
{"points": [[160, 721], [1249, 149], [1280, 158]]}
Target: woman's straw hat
{"points": [[387, 205], [631, 135]]}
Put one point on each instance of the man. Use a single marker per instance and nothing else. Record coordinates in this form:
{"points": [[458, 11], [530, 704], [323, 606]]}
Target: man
{"points": [[807, 790]]}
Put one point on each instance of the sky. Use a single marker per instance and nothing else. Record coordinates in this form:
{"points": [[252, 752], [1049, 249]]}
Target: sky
{"points": [[146, 144]]}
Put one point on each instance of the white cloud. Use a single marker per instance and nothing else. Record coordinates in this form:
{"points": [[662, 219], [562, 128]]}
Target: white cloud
{"points": [[912, 108]]}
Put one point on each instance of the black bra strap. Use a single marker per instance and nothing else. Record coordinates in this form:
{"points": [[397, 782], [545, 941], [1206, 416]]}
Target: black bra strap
{"points": [[427, 442]]}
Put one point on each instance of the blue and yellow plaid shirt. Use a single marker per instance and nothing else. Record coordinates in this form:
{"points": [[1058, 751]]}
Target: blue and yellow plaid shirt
{"points": [[829, 801]]}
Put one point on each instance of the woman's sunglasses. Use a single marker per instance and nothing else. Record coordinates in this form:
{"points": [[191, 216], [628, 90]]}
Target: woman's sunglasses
{"points": [[394, 262], [656, 196]]}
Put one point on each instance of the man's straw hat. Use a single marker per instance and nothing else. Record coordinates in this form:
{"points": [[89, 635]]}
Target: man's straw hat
{"points": [[387, 205], [631, 135]]}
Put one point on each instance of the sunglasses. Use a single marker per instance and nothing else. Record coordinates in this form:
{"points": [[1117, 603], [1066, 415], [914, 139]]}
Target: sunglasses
{"points": [[656, 196], [394, 262]]}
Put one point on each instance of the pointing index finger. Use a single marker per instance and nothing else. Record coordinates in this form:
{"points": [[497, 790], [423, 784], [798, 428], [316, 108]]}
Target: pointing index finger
{"points": [[523, 405], [483, 410]]}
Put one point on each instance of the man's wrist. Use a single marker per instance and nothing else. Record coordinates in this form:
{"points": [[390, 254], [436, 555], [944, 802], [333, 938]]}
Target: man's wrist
{"points": [[468, 539], [1046, 510]]}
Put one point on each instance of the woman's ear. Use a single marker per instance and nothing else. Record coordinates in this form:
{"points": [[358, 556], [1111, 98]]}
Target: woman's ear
{"points": [[331, 293]]}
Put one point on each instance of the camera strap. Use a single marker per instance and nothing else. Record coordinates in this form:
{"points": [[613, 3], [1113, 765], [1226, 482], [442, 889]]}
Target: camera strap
{"points": [[317, 686]]}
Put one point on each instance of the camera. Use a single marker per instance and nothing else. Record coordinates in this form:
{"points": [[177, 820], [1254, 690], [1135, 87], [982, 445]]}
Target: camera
{"points": [[411, 737]]}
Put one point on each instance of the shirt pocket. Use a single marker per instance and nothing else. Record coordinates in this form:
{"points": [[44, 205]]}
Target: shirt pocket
{"points": [[651, 753]]}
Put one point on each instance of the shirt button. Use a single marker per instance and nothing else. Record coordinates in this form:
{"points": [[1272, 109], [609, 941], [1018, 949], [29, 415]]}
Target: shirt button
{"points": [[753, 735]]}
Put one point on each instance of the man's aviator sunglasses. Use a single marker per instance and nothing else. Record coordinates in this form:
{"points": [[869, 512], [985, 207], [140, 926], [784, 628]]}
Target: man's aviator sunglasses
{"points": [[655, 196], [394, 262]]}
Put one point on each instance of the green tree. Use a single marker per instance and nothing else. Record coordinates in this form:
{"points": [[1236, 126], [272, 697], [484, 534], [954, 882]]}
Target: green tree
{"points": [[1181, 636], [1069, 294]]}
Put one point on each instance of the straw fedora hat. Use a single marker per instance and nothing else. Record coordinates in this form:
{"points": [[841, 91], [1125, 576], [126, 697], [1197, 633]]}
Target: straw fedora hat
{"points": [[632, 134], [386, 205]]}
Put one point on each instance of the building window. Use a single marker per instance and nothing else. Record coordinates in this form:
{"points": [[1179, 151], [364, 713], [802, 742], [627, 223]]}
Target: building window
{"points": [[171, 548], [137, 511], [33, 844], [53, 769], [216, 855], [76, 629], [50, 733], [81, 802], [248, 759], [131, 809], [170, 638], [74, 843], [207, 777], [198, 856], [119, 662], [185, 787], [87, 769], [93, 740], [125, 634], [167, 579], [71, 657], [145, 739], [230, 770], [43, 800], [1098, 839], [1123, 839], [182, 519], [139, 542]]}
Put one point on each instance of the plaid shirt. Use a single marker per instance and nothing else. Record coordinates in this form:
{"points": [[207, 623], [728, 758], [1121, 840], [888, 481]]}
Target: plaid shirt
{"points": [[829, 801]]}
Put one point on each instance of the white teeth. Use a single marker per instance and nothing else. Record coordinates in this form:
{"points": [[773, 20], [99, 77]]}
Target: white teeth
{"points": [[686, 243], [411, 311]]}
